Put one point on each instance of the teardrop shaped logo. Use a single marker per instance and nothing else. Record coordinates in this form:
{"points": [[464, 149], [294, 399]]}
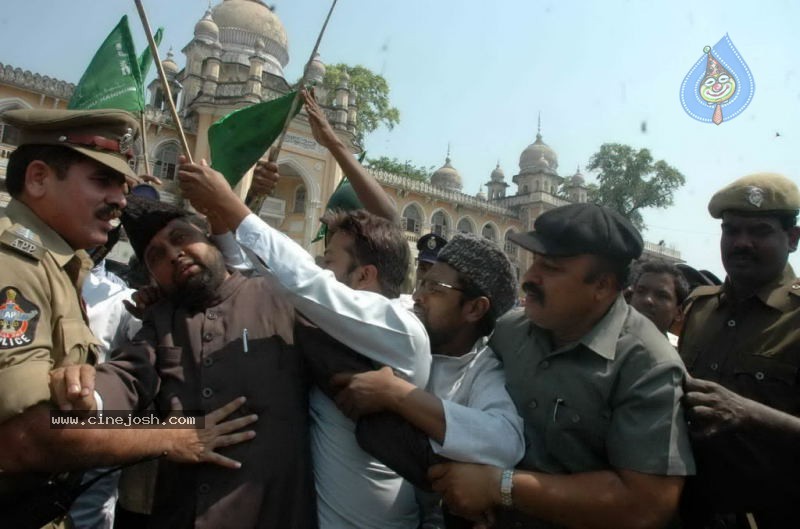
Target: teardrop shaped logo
{"points": [[719, 86]]}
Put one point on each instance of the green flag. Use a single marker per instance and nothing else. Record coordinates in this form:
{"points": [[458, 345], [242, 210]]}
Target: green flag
{"points": [[146, 58], [242, 137], [112, 79]]}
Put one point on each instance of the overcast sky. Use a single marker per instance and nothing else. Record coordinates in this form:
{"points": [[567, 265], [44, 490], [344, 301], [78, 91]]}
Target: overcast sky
{"points": [[476, 74]]}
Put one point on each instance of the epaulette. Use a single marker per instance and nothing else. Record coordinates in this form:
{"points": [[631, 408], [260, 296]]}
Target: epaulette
{"points": [[23, 241], [794, 288], [705, 290]]}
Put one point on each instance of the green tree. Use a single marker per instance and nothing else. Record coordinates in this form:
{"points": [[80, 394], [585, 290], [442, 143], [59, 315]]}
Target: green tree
{"points": [[397, 167], [630, 181], [372, 97]]}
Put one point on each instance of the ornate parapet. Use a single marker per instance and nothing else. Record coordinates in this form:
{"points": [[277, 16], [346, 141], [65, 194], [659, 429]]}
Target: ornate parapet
{"points": [[35, 82], [660, 250], [455, 197], [532, 198]]}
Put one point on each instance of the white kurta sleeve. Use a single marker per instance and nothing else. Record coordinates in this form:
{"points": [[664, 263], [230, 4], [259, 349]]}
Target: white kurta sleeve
{"points": [[486, 429], [234, 256], [371, 324]]}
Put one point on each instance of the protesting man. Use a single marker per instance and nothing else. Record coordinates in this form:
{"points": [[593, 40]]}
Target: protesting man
{"points": [[741, 342], [466, 413], [354, 303], [597, 385]]}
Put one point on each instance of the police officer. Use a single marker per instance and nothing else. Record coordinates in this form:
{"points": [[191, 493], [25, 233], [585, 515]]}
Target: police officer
{"points": [[428, 248], [67, 181], [741, 342]]}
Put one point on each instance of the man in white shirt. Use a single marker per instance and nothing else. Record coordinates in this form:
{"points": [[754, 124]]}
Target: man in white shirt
{"points": [[466, 414], [354, 301]]}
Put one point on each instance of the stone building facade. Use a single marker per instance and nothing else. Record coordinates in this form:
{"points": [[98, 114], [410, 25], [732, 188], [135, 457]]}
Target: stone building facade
{"points": [[236, 59]]}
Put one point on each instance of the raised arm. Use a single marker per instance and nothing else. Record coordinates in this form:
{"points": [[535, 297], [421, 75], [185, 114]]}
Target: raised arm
{"points": [[368, 190], [371, 324]]}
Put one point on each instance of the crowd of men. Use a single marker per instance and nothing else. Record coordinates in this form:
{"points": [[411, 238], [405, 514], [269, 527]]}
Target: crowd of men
{"points": [[623, 393]]}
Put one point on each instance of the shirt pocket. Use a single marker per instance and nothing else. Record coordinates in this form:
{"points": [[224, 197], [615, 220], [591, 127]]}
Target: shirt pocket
{"points": [[576, 435], [769, 380], [73, 342]]}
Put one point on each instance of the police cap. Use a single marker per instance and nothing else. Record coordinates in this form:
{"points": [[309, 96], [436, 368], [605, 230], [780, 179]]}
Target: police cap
{"points": [[105, 135], [766, 193], [429, 247]]}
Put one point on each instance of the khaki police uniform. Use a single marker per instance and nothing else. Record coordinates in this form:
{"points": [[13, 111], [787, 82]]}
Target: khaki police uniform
{"points": [[43, 323], [752, 347]]}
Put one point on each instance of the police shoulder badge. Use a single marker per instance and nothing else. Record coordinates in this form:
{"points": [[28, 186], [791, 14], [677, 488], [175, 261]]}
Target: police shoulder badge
{"points": [[18, 319]]}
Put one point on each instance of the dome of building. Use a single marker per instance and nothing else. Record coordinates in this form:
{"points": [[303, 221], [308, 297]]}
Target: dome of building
{"points": [[207, 29], [316, 70], [538, 156], [170, 66], [497, 174], [481, 195], [242, 22], [446, 176], [577, 179]]}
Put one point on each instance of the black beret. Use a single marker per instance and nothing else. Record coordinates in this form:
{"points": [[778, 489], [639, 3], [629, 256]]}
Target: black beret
{"points": [[142, 218], [582, 229]]}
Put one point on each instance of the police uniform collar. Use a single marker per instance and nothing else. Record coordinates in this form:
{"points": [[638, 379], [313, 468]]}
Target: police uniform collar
{"points": [[61, 251], [774, 294]]}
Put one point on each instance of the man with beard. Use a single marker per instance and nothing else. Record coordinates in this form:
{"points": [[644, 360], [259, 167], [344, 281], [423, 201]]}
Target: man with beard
{"points": [[67, 180], [597, 385], [354, 303], [465, 412], [741, 341], [215, 336]]}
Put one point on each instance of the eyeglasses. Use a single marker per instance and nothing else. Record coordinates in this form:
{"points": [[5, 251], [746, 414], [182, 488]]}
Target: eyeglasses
{"points": [[426, 286]]}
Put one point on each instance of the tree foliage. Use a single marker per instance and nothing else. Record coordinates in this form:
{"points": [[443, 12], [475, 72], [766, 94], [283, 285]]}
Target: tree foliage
{"points": [[397, 167], [630, 181], [372, 97]]}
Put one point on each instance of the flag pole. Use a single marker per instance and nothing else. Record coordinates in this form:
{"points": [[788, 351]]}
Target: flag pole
{"points": [[144, 143], [163, 76], [255, 202]]}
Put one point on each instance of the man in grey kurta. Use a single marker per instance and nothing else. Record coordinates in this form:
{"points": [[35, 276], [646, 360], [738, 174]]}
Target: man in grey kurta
{"points": [[598, 386]]}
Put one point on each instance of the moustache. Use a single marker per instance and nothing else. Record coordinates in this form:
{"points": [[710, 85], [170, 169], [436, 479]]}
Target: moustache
{"points": [[533, 291], [748, 254], [108, 212]]}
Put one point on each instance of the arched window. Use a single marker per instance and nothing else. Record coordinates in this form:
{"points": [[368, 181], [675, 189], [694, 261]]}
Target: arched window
{"points": [[9, 135], [166, 161], [300, 199], [440, 225], [489, 232], [509, 247], [412, 219], [465, 226]]}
